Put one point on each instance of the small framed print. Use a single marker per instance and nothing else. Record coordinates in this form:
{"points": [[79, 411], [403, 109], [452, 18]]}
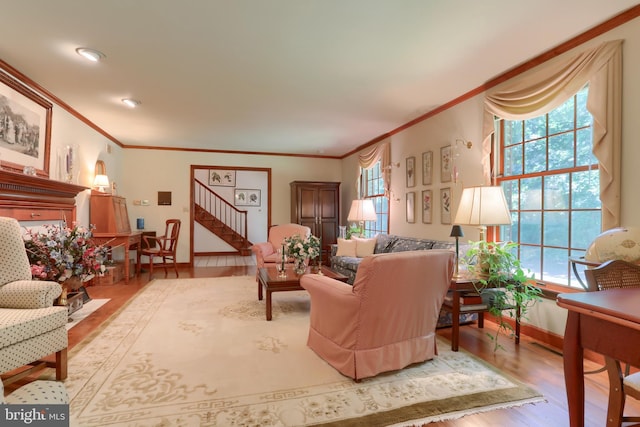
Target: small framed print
{"points": [[427, 167], [411, 202], [445, 205], [223, 178], [246, 197], [446, 164], [427, 203], [411, 172]]}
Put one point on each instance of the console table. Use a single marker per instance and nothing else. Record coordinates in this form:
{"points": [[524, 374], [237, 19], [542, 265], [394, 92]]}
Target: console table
{"points": [[126, 240], [606, 322]]}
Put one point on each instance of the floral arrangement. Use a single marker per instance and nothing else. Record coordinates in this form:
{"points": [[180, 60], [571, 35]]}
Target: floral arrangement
{"points": [[58, 253], [301, 249]]}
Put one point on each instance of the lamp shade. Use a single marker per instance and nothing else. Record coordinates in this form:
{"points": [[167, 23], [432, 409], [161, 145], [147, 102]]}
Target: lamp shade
{"points": [[483, 206], [101, 181], [456, 231], [362, 210]]}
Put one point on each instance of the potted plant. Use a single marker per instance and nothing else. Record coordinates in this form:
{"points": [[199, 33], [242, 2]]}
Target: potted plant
{"points": [[501, 281]]}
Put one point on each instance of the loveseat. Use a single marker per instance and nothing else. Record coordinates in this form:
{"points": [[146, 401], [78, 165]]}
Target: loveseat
{"points": [[347, 255]]}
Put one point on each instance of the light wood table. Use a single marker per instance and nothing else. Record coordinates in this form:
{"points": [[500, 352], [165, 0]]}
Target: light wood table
{"points": [[606, 322], [269, 279], [127, 240]]}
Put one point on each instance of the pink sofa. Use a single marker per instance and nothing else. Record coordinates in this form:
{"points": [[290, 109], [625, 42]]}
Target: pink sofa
{"points": [[267, 252], [387, 319]]}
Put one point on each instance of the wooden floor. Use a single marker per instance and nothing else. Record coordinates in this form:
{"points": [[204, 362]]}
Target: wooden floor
{"points": [[530, 362]]}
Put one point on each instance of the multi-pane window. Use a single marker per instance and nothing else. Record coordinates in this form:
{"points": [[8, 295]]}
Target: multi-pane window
{"points": [[551, 181], [373, 186]]}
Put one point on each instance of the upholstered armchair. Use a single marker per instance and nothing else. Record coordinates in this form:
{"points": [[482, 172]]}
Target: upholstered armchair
{"points": [[31, 327], [267, 252], [387, 319]]}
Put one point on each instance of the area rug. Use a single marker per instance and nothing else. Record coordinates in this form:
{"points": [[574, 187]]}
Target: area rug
{"points": [[199, 352]]}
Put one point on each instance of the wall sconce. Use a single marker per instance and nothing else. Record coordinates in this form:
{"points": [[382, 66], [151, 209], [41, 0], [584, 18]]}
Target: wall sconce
{"points": [[392, 165], [467, 144]]}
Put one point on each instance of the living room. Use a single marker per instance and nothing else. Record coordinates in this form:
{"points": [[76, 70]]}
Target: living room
{"points": [[141, 172]]}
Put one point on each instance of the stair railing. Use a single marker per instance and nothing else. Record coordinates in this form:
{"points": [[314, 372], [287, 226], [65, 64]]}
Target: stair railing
{"points": [[224, 211]]}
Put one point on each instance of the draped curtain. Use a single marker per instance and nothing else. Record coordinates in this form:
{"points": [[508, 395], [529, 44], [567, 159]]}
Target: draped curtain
{"points": [[381, 152], [537, 93]]}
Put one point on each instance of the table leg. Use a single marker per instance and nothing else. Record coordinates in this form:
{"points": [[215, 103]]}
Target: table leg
{"points": [[259, 290], [138, 256], [574, 370], [268, 304], [455, 320], [126, 264]]}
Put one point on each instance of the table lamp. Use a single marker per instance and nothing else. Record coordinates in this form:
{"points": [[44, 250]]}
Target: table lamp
{"points": [[362, 210], [483, 206], [456, 231], [101, 181]]}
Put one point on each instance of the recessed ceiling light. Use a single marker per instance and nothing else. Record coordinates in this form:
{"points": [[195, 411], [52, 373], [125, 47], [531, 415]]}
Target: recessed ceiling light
{"points": [[131, 103], [90, 54]]}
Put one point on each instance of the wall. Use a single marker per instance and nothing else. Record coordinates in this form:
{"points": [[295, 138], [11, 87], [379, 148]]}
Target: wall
{"points": [[465, 121]]}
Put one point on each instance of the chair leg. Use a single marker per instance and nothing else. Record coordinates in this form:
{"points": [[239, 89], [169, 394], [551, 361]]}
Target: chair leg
{"points": [[616, 393], [150, 266], [164, 265], [61, 365], [175, 266]]}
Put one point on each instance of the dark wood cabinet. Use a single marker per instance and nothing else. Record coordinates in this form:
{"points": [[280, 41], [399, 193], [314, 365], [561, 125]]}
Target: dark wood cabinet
{"points": [[317, 205]]}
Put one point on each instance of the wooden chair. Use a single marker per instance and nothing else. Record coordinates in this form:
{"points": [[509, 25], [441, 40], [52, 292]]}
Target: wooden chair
{"points": [[163, 246], [610, 275]]}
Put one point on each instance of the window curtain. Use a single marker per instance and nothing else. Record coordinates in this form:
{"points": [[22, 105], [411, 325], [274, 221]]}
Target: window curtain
{"points": [[381, 152], [534, 94]]}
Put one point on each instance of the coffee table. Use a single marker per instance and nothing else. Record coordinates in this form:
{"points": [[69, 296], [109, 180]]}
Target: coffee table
{"points": [[268, 277]]}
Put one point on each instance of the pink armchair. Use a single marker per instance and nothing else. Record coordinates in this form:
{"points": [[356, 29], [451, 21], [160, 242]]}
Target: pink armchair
{"points": [[387, 319], [267, 252]]}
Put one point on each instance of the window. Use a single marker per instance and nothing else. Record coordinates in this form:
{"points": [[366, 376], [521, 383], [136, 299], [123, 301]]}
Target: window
{"points": [[551, 181], [374, 189]]}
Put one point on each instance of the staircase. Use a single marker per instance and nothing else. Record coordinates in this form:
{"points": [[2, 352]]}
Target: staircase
{"points": [[221, 218]]}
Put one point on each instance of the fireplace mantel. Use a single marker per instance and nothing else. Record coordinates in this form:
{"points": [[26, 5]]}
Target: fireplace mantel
{"points": [[32, 198]]}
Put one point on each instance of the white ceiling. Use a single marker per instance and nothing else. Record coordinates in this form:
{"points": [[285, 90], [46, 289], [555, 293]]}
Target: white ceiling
{"points": [[317, 77]]}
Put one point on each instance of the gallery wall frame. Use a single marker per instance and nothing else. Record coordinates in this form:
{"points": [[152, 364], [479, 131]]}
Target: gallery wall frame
{"points": [[445, 205], [25, 128], [411, 203], [446, 164], [427, 167], [246, 197], [222, 177], [411, 171], [427, 205]]}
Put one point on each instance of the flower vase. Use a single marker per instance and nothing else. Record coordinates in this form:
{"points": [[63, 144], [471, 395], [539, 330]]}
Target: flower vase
{"points": [[300, 266]]}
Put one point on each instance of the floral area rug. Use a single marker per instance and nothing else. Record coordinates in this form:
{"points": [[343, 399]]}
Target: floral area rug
{"points": [[199, 352]]}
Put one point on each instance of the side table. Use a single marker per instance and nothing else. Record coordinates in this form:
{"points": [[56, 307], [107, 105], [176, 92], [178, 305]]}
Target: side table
{"points": [[464, 284]]}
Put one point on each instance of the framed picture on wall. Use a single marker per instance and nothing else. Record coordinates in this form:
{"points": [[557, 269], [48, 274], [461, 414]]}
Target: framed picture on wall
{"points": [[25, 129], [427, 167], [446, 164], [222, 177], [427, 204], [445, 205], [246, 197], [411, 172], [411, 203]]}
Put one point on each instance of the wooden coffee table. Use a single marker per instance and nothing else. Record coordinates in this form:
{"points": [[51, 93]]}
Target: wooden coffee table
{"points": [[268, 277]]}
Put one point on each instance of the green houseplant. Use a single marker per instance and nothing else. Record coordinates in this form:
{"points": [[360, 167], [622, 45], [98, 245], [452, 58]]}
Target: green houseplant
{"points": [[501, 281]]}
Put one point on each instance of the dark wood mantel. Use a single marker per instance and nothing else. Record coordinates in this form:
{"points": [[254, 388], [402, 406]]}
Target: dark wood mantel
{"points": [[33, 198]]}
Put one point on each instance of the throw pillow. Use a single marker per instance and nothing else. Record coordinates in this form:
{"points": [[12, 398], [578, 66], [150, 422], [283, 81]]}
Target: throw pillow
{"points": [[365, 247], [346, 248]]}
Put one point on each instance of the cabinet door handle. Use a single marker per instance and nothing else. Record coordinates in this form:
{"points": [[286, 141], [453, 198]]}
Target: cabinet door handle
{"points": [[33, 214]]}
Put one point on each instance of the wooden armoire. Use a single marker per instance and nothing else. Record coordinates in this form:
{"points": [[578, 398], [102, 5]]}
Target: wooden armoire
{"points": [[109, 214], [317, 205]]}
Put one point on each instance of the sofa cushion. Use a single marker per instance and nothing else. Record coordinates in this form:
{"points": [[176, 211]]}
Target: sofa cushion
{"points": [[346, 248], [18, 325], [364, 247], [384, 242], [403, 244]]}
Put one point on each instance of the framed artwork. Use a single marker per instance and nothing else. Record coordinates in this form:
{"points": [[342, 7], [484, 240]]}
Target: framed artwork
{"points": [[411, 202], [446, 164], [25, 128], [246, 197], [222, 178], [427, 203], [411, 172], [427, 167], [445, 205]]}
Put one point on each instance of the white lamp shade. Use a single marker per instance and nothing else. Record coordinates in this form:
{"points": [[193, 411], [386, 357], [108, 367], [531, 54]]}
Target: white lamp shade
{"points": [[483, 206], [101, 181], [362, 210]]}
